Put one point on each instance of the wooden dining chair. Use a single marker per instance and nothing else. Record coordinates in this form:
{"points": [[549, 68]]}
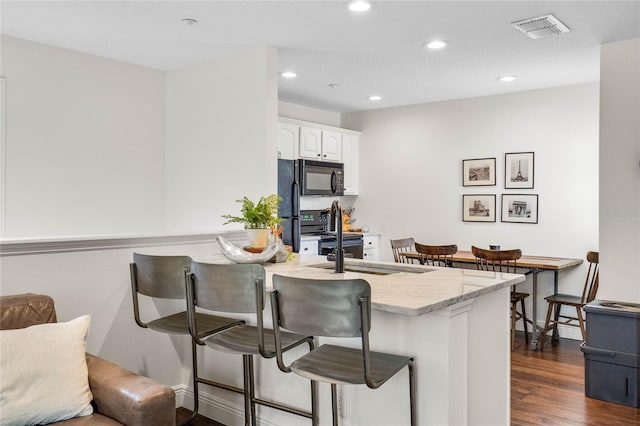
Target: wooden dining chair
{"points": [[403, 245], [437, 255], [557, 301], [505, 261]]}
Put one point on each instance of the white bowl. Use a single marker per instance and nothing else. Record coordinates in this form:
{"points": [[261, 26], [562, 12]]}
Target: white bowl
{"points": [[238, 255]]}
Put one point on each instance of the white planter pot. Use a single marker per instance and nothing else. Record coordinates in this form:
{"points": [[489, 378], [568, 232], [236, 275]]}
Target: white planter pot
{"points": [[258, 237]]}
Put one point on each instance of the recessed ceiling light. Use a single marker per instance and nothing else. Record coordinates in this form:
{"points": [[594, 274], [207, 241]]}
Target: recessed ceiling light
{"points": [[190, 21], [507, 78], [288, 74], [359, 5], [374, 97], [436, 44]]}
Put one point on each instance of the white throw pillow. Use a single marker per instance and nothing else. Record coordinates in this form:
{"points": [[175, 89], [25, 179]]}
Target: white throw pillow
{"points": [[44, 376]]}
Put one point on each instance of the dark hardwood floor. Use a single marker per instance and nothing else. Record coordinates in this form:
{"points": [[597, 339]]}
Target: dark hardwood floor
{"points": [[183, 414], [547, 388]]}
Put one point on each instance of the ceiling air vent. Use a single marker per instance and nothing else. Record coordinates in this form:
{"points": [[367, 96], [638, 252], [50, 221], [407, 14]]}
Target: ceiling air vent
{"points": [[542, 26]]}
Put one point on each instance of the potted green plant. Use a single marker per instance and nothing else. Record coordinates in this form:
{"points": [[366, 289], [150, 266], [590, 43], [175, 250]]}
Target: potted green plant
{"points": [[259, 219]]}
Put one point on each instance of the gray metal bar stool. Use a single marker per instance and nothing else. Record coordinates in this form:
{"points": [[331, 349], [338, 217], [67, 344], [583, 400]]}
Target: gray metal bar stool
{"points": [[239, 288], [334, 308], [164, 277]]}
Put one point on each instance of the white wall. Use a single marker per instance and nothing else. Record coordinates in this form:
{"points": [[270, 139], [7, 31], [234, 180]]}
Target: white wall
{"points": [[620, 171], [304, 113], [92, 277], [411, 172], [221, 137], [84, 143], [99, 147]]}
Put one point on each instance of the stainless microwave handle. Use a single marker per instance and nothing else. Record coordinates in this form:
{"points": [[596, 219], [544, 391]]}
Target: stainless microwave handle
{"points": [[334, 181]]}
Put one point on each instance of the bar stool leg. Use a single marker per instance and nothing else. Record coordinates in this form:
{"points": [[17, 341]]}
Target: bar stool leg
{"points": [[252, 389], [314, 403], [412, 394], [334, 403], [196, 398], [247, 390]]}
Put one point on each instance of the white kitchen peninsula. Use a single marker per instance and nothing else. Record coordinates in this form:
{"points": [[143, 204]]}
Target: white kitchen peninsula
{"points": [[455, 322]]}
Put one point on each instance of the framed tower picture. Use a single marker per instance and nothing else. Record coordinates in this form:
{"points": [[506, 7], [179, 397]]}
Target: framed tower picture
{"points": [[519, 170]]}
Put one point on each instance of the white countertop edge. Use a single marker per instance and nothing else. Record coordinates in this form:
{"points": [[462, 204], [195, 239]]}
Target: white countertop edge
{"points": [[505, 280], [448, 302]]}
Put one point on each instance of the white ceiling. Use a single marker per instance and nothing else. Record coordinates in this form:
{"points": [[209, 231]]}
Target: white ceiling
{"points": [[378, 52]]}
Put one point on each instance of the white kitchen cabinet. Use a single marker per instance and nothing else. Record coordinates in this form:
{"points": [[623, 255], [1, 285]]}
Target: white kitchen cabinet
{"points": [[351, 160], [288, 141], [371, 249], [331, 146], [309, 247], [321, 145]]}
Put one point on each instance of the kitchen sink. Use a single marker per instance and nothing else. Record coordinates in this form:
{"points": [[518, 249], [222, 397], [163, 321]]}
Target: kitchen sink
{"points": [[372, 269]]}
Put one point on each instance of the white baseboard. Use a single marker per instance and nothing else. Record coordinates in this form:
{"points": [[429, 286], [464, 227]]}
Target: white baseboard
{"points": [[566, 332], [219, 409]]}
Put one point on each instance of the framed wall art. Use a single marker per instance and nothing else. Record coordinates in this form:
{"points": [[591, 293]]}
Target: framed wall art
{"points": [[479, 208], [520, 208], [518, 170], [479, 172]]}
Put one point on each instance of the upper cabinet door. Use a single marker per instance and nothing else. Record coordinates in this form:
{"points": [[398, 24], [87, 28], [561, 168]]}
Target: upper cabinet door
{"points": [[331, 146], [310, 143], [351, 160], [288, 141]]}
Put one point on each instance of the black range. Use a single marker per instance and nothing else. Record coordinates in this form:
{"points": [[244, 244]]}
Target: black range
{"points": [[315, 222]]}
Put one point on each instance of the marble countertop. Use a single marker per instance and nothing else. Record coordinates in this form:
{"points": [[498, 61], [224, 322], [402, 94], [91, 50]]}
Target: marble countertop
{"points": [[405, 292]]}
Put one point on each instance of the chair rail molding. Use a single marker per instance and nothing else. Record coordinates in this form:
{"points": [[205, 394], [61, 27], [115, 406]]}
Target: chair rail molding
{"points": [[29, 246]]}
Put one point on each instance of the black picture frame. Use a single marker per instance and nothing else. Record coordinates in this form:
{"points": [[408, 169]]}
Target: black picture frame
{"points": [[479, 208], [519, 170], [479, 172], [519, 208]]}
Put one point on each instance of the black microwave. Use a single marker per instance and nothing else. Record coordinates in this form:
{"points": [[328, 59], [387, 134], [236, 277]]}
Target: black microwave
{"points": [[321, 178]]}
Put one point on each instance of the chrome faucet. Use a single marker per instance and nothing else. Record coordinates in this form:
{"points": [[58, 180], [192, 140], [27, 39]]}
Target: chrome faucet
{"points": [[335, 224]]}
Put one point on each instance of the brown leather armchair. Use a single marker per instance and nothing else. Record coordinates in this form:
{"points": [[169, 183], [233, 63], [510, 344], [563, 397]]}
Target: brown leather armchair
{"points": [[119, 395]]}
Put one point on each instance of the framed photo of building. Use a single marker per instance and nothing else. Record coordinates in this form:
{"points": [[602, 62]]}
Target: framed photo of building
{"points": [[520, 208], [518, 170], [479, 172], [479, 208]]}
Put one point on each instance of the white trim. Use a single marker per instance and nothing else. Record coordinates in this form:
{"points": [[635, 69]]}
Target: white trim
{"points": [[16, 247], [3, 155], [317, 126], [219, 409]]}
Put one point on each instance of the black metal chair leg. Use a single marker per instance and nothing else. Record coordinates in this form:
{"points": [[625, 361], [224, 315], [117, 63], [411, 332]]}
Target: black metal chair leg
{"points": [[252, 390], [314, 403], [412, 393], [334, 404], [246, 390], [196, 398]]}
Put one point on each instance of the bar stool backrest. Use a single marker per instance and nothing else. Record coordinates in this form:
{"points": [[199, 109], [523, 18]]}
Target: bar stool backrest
{"points": [[333, 308], [159, 276], [496, 260], [228, 287]]}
